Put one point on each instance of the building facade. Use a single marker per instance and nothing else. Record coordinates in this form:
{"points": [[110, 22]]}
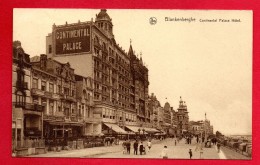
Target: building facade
{"points": [[54, 88], [26, 114], [167, 118], [183, 118], [120, 79]]}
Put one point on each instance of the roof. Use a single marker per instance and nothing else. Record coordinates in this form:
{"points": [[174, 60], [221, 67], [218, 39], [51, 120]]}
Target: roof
{"points": [[102, 15]]}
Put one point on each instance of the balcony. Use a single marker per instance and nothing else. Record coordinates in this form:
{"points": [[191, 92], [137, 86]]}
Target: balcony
{"points": [[98, 67], [98, 79], [47, 94], [96, 44], [34, 107], [55, 96], [74, 118], [105, 93], [92, 120], [53, 117], [22, 85], [98, 90], [71, 98], [37, 92]]}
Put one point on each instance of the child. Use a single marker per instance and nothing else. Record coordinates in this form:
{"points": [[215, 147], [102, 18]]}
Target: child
{"points": [[190, 152], [149, 144]]}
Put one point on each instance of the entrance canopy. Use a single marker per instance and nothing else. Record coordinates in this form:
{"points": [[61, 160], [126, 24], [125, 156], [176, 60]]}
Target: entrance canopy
{"points": [[115, 128]]}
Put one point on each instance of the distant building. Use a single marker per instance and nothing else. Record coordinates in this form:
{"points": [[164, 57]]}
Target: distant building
{"points": [[167, 117], [183, 118]]}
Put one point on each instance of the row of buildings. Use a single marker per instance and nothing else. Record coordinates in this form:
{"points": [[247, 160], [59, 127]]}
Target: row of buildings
{"points": [[86, 85]]}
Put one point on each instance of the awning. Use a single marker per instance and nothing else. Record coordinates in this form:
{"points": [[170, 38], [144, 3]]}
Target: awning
{"points": [[133, 128], [147, 130], [151, 130], [115, 128], [160, 134]]}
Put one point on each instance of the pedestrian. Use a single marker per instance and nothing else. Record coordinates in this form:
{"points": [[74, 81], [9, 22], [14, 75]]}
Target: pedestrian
{"points": [[190, 153], [218, 146], [197, 139], [141, 148], [124, 147], [164, 153], [149, 145], [128, 146], [175, 142], [135, 147]]}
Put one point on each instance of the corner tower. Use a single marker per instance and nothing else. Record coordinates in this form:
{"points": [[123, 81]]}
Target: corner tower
{"points": [[104, 22]]}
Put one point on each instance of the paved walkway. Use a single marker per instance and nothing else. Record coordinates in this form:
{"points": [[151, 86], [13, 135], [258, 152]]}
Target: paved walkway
{"points": [[180, 151], [231, 154]]}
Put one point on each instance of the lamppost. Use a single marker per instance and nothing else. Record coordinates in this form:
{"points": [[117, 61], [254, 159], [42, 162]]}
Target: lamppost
{"points": [[139, 131], [143, 132]]}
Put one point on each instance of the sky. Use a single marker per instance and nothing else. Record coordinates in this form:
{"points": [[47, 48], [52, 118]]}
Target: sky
{"points": [[209, 64]]}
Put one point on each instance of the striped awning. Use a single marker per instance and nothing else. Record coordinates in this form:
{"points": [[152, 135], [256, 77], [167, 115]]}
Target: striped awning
{"points": [[116, 128]]}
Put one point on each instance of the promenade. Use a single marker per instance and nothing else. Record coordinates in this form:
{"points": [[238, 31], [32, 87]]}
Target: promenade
{"points": [[180, 151]]}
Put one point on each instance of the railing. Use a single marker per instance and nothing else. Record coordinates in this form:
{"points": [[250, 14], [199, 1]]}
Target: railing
{"points": [[71, 98], [54, 118], [31, 143], [55, 96], [98, 79], [98, 90], [37, 92], [48, 94], [93, 119], [34, 107]]}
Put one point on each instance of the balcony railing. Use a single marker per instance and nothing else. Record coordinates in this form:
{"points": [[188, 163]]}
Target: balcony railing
{"points": [[37, 92], [34, 107], [53, 117], [55, 96], [48, 94], [92, 119], [71, 98], [98, 90]]}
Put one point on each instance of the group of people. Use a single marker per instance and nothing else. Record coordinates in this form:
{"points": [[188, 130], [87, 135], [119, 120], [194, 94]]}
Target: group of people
{"points": [[136, 145]]}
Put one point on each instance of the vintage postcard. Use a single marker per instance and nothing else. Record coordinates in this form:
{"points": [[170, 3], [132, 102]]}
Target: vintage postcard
{"points": [[128, 83]]}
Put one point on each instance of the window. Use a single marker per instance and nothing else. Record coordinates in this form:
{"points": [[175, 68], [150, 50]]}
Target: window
{"points": [[59, 89], [43, 88], [66, 91], [35, 83], [51, 108], [20, 99], [51, 88], [50, 49]]}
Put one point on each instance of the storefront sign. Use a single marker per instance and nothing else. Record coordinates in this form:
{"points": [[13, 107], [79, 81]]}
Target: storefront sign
{"points": [[73, 39]]}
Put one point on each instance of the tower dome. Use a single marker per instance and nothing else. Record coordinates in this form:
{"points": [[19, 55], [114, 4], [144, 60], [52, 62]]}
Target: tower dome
{"points": [[104, 22], [103, 16]]}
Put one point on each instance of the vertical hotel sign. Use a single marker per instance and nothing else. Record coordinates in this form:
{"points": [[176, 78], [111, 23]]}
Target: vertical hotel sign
{"points": [[72, 39]]}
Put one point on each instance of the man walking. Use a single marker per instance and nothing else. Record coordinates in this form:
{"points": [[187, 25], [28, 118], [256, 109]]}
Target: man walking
{"points": [[128, 146], [135, 147], [190, 153], [218, 146]]}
